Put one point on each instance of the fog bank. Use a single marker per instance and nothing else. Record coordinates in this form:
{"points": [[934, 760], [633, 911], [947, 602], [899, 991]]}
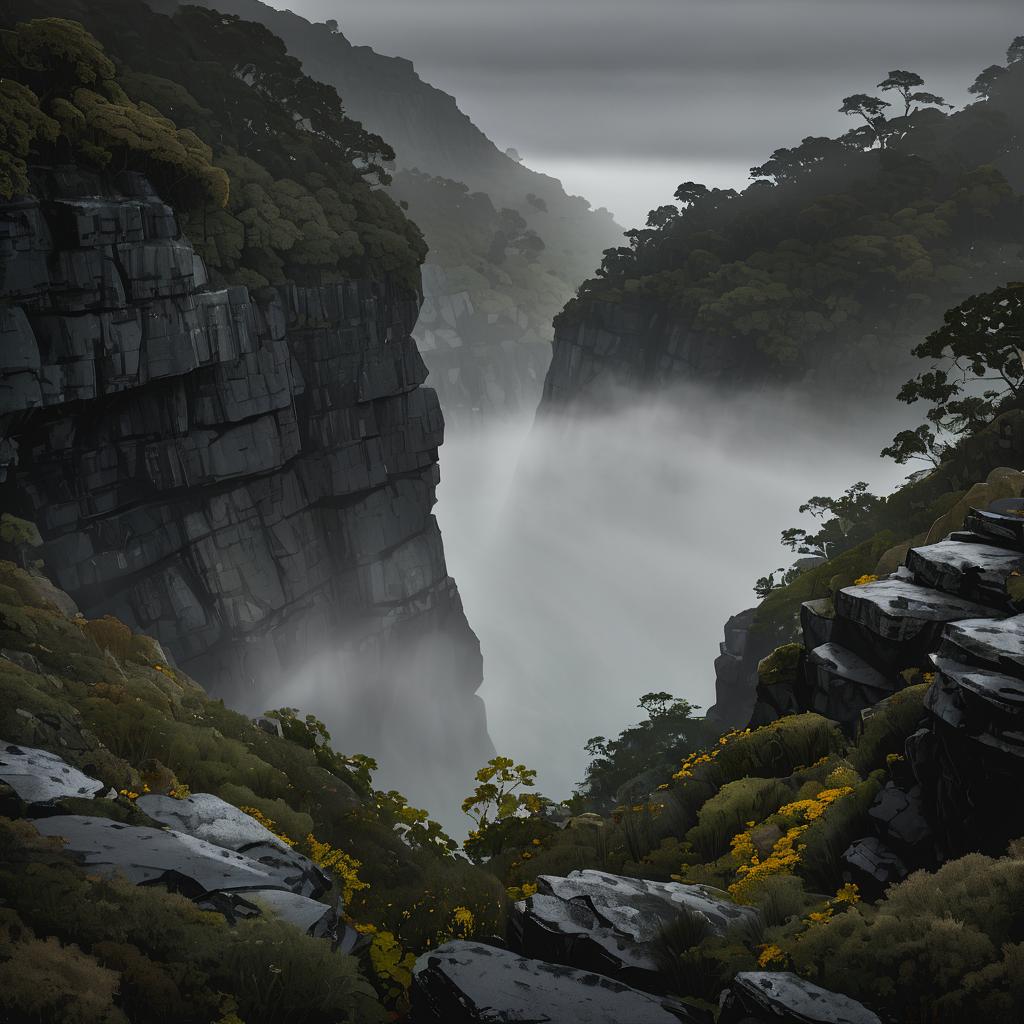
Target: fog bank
{"points": [[600, 563]]}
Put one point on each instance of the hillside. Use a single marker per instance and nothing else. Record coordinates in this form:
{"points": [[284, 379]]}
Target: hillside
{"points": [[481, 212], [816, 275]]}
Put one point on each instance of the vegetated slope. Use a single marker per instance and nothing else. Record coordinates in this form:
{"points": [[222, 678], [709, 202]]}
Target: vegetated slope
{"points": [[108, 702], [504, 237], [214, 412], [818, 273]]}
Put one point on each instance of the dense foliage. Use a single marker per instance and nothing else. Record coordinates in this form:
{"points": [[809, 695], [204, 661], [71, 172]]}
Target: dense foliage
{"points": [[272, 181], [842, 247]]}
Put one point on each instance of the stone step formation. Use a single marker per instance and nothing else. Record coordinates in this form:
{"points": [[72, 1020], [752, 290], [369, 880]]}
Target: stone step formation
{"points": [[950, 616]]}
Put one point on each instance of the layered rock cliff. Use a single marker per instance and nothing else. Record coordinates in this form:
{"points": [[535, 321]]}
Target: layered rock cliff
{"points": [[248, 479]]}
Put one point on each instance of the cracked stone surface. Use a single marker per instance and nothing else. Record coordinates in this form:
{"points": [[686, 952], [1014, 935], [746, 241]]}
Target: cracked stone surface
{"points": [[215, 821], [146, 855], [896, 609], [996, 645], [771, 996], [469, 983], [257, 492], [608, 923], [39, 777], [975, 571]]}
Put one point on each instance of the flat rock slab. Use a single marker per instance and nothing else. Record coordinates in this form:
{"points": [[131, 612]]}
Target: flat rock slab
{"points": [[897, 609], [468, 983], [148, 855], [993, 524], [778, 996], [996, 644], [39, 777], [871, 860], [975, 571], [214, 820], [987, 706]]}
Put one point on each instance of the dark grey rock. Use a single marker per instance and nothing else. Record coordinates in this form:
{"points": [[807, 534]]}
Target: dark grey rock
{"points": [[816, 618], [469, 983], [982, 642], [180, 861], [39, 777], [780, 996], [998, 524], [609, 923], [896, 609], [842, 683], [978, 572], [874, 865], [899, 815], [215, 821]]}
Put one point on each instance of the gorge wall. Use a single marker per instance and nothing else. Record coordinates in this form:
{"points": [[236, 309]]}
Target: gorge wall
{"points": [[249, 480]]}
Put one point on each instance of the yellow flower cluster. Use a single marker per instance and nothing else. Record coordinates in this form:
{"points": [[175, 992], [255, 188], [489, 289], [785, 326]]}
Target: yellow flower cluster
{"points": [[849, 893], [338, 862], [521, 892], [866, 578], [128, 794], [771, 955], [815, 807], [392, 965], [785, 853], [694, 761], [180, 791], [784, 857], [267, 823], [462, 922]]}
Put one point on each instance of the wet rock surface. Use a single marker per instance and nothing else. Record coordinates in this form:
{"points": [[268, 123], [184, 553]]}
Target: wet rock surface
{"points": [[147, 855], [256, 493], [609, 923], [39, 777], [770, 996], [469, 983], [207, 817]]}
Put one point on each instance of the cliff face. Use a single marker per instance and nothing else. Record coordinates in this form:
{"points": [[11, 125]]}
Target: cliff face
{"points": [[481, 364], [249, 481]]}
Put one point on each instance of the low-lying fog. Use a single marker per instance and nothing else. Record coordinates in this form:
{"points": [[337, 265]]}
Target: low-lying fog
{"points": [[601, 562]]}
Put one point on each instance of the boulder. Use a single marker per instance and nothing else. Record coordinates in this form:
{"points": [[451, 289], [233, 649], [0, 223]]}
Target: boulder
{"points": [[469, 983], [873, 866], [780, 997], [40, 778], [975, 571], [215, 821], [183, 863], [609, 924]]}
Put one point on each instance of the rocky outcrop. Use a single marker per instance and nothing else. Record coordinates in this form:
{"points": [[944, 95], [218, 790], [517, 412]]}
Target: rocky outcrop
{"points": [[736, 671], [248, 479], [481, 364], [764, 997], [40, 778], [610, 924], [469, 983]]}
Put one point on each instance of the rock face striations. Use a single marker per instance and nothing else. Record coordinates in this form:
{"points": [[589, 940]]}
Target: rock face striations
{"points": [[248, 480]]}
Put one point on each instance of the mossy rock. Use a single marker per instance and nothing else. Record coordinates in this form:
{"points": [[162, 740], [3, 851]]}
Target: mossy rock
{"points": [[780, 666]]}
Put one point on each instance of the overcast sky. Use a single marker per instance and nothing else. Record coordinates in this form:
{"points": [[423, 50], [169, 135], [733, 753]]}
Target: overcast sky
{"points": [[623, 99]]}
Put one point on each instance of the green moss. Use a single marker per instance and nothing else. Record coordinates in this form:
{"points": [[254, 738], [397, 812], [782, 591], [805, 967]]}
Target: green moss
{"points": [[780, 666]]}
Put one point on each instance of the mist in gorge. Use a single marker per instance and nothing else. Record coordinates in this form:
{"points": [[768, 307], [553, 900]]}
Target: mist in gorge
{"points": [[599, 557]]}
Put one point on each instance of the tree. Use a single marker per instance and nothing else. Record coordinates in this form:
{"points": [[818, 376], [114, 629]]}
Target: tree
{"points": [[905, 83], [871, 109], [977, 370], [331, 24], [497, 794], [1015, 51], [537, 202], [843, 522], [986, 80]]}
